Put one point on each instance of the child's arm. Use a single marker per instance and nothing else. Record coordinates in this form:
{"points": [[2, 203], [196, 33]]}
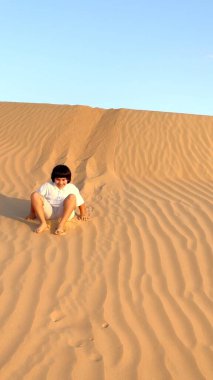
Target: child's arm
{"points": [[83, 212]]}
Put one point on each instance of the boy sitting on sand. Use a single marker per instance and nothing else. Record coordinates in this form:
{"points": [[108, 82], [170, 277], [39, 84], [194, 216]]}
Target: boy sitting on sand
{"points": [[57, 199]]}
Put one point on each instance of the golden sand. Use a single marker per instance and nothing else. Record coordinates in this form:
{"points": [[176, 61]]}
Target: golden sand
{"points": [[127, 295]]}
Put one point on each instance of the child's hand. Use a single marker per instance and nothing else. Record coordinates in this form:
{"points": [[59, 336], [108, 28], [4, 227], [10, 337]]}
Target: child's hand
{"points": [[83, 217]]}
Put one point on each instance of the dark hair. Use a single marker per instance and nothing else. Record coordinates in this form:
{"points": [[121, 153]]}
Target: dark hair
{"points": [[61, 171]]}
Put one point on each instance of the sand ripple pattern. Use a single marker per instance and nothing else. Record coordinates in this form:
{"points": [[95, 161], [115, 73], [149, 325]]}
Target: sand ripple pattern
{"points": [[127, 295]]}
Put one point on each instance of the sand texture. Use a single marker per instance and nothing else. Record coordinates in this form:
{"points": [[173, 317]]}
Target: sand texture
{"points": [[128, 294]]}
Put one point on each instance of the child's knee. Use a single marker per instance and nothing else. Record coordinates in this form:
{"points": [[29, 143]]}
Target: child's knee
{"points": [[71, 199], [35, 195]]}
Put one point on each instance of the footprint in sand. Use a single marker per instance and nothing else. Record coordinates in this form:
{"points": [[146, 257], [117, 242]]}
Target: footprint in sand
{"points": [[76, 330]]}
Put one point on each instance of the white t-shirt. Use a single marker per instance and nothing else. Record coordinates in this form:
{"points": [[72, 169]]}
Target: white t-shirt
{"points": [[56, 196]]}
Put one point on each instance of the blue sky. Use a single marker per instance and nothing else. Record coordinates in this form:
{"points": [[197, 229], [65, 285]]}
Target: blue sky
{"points": [[148, 55]]}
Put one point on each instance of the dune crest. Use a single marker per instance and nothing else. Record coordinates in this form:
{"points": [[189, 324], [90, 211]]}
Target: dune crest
{"points": [[127, 295]]}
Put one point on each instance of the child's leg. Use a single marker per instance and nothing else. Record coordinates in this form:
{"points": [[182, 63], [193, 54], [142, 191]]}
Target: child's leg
{"points": [[32, 214], [69, 206], [37, 206]]}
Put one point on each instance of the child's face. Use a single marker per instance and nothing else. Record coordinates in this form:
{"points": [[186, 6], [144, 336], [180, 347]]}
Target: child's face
{"points": [[60, 182]]}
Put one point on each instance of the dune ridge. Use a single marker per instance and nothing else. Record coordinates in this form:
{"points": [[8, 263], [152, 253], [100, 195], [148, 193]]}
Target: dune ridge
{"points": [[127, 295]]}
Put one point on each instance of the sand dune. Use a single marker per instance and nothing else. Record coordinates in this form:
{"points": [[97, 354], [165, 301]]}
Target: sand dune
{"points": [[127, 295]]}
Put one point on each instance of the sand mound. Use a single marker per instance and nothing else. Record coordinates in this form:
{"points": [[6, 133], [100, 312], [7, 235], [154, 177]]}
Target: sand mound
{"points": [[127, 295]]}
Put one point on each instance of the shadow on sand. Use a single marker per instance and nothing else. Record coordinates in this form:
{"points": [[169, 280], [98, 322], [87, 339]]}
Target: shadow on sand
{"points": [[16, 209]]}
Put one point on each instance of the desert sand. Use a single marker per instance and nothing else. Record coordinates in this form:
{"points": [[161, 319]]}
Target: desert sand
{"points": [[128, 294]]}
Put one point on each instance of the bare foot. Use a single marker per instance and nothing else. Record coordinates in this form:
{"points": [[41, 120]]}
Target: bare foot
{"points": [[43, 227]]}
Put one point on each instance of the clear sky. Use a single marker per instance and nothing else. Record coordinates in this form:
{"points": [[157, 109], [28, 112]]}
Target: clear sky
{"points": [[149, 55]]}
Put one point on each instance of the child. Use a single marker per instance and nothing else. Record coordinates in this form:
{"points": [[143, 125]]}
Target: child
{"points": [[56, 199]]}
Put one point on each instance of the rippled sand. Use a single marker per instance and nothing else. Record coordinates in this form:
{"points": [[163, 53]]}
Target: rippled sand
{"points": [[127, 295]]}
